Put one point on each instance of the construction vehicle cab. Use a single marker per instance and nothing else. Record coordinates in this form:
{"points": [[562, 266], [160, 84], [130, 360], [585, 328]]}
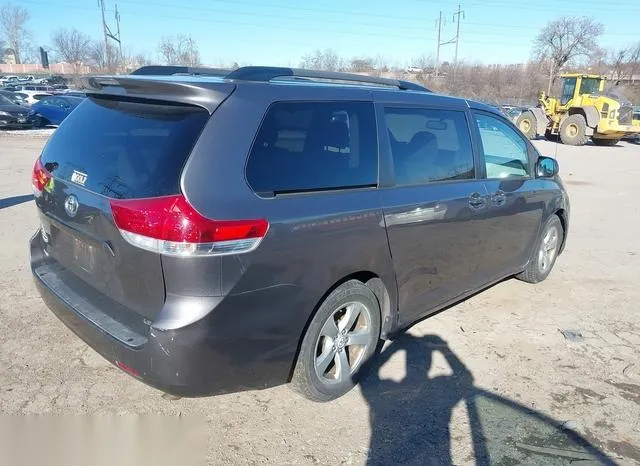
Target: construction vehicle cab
{"points": [[584, 110]]}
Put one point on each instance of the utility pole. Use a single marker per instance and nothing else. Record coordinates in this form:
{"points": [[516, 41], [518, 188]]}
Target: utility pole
{"points": [[456, 17], [438, 47], [109, 35], [119, 41], [104, 30]]}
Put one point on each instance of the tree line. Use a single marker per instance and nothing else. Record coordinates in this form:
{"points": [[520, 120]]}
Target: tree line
{"points": [[564, 44], [567, 44]]}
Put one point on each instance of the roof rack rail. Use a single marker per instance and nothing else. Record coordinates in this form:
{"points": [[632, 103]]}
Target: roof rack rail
{"points": [[269, 73], [170, 70]]}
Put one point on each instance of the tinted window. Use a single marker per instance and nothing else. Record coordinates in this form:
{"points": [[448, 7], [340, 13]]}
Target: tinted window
{"points": [[125, 149], [429, 145], [308, 146], [505, 151]]}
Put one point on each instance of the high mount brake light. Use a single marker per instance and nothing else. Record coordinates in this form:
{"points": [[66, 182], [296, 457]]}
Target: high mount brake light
{"points": [[170, 225]]}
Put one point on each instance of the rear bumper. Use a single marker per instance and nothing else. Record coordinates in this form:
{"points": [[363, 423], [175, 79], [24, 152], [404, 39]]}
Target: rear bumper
{"points": [[215, 355]]}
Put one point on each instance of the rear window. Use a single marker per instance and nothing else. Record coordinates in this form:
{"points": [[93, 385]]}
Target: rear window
{"points": [[312, 146], [125, 149]]}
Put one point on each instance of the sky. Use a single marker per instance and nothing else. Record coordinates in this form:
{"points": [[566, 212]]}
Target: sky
{"points": [[280, 32]]}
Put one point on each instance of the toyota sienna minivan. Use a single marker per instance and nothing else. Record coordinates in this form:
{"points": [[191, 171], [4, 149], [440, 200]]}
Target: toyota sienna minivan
{"points": [[210, 232]]}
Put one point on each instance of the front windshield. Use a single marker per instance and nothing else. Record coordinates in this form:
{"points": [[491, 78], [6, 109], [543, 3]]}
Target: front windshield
{"points": [[5, 101], [590, 86]]}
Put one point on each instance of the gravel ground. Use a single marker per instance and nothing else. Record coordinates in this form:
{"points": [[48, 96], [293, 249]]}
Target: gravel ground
{"points": [[492, 380]]}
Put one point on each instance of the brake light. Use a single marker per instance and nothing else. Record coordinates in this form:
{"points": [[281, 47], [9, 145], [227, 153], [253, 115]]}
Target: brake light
{"points": [[170, 225], [39, 178]]}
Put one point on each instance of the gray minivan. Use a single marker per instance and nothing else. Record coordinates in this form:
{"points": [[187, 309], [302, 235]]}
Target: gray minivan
{"points": [[210, 232]]}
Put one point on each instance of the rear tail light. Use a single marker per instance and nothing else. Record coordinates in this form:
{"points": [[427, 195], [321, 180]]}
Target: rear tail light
{"points": [[170, 225], [39, 178]]}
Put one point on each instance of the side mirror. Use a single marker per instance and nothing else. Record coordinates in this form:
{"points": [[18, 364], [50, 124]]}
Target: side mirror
{"points": [[546, 167]]}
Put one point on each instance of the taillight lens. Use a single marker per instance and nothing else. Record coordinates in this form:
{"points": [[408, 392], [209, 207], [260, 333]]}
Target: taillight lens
{"points": [[170, 225], [39, 178]]}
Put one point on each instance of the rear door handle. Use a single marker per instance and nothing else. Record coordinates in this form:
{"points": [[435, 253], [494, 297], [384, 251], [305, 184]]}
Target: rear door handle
{"points": [[499, 197], [476, 201]]}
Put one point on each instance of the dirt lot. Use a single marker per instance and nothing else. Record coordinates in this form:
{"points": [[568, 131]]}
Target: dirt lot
{"points": [[490, 381]]}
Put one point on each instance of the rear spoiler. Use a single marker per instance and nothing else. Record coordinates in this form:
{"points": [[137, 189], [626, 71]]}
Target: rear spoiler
{"points": [[207, 95]]}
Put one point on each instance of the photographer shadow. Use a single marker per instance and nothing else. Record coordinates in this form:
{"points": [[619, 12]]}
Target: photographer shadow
{"points": [[411, 418]]}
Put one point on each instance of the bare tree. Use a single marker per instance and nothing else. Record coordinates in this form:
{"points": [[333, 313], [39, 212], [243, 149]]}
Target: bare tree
{"points": [[13, 21], [562, 41], [3, 46], [362, 64], [71, 46], [426, 63], [179, 50], [100, 61], [326, 60], [619, 59]]}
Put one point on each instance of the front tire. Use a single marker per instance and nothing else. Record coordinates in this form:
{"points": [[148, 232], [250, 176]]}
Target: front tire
{"points": [[573, 130], [605, 142], [526, 123], [546, 252], [342, 336]]}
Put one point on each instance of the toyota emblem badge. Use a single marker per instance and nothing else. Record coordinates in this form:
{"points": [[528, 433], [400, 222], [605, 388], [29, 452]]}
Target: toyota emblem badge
{"points": [[71, 205]]}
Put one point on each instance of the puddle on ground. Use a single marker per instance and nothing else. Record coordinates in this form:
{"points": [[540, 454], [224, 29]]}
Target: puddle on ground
{"points": [[512, 434]]}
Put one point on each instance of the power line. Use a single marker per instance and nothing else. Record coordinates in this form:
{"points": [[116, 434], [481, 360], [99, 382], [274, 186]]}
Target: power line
{"points": [[483, 33]]}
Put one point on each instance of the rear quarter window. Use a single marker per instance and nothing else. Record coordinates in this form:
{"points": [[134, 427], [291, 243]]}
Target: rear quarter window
{"points": [[314, 146], [125, 149]]}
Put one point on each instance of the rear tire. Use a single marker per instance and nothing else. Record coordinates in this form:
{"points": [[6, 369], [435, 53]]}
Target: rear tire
{"points": [[605, 142], [573, 130], [545, 253], [342, 336], [526, 123]]}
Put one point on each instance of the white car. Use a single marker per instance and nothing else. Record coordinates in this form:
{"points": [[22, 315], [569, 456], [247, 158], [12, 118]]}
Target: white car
{"points": [[9, 80], [31, 97]]}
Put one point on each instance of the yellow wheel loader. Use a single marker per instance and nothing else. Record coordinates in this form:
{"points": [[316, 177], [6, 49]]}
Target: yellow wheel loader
{"points": [[583, 111]]}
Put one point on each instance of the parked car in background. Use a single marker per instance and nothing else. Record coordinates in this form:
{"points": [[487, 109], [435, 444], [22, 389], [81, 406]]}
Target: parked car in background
{"points": [[36, 87], [636, 121], [31, 97], [8, 80], [13, 115], [56, 80], [10, 87], [13, 97], [52, 110]]}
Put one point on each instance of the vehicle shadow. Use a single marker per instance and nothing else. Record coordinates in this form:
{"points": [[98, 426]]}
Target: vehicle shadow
{"points": [[15, 200], [410, 419]]}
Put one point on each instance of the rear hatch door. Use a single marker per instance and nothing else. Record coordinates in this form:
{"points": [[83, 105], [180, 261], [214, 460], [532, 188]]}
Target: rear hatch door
{"points": [[110, 148]]}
